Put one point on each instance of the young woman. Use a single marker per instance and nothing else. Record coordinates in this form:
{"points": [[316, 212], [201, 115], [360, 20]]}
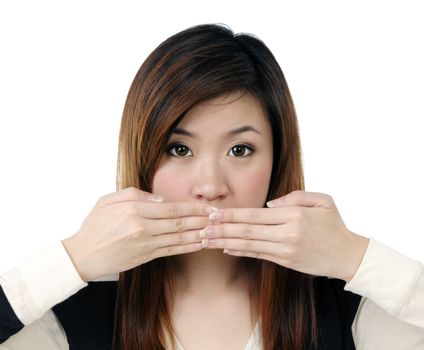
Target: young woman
{"points": [[209, 135]]}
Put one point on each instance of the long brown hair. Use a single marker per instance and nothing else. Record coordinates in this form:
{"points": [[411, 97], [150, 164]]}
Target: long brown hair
{"points": [[192, 66]]}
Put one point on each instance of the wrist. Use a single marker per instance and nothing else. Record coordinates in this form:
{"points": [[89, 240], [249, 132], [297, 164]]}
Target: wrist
{"points": [[354, 255], [71, 249]]}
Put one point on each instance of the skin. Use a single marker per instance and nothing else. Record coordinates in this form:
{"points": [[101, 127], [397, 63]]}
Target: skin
{"points": [[211, 307], [208, 183], [208, 168], [303, 230]]}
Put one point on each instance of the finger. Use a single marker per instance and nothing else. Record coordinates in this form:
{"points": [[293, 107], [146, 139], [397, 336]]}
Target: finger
{"points": [[127, 194], [271, 233], [178, 225], [177, 238], [254, 215], [173, 209], [256, 255], [177, 249], [304, 199], [250, 245], [243, 253]]}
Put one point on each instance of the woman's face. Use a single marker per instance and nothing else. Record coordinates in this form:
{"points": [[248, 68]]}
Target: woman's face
{"points": [[220, 153]]}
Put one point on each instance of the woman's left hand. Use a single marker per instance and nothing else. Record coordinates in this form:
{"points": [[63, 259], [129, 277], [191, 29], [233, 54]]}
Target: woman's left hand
{"points": [[304, 232]]}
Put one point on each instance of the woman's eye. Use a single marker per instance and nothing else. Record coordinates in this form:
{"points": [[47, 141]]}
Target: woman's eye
{"points": [[179, 150], [240, 151]]}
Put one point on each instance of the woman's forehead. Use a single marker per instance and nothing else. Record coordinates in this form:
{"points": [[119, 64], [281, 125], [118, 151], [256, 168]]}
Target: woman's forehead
{"points": [[230, 111]]}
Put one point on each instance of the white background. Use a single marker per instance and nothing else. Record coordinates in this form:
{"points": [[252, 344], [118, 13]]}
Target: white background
{"points": [[355, 71]]}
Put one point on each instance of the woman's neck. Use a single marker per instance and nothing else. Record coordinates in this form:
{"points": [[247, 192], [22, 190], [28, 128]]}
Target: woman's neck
{"points": [[210, 275], [208, 272]]}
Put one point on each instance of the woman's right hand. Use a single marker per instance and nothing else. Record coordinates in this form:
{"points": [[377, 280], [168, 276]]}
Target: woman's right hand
{"points": [[126, 229]]}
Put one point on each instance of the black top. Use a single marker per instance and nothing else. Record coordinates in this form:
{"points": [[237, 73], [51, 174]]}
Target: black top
{"points": [[87, 316]]}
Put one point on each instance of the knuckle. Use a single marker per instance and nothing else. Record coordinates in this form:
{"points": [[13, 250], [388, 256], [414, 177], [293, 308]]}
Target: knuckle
{"points": [[253, 214], [329, 199], [174, 209], [292, 252], [298, 213], [100, 201], [133, 190], [248, 245], [169, 251], [298, 194], [179, 224], [130, 209], [294, 238], [135, 234], [142, 248], [247, 231], [137, 229], [178, 238], [229, 215]]}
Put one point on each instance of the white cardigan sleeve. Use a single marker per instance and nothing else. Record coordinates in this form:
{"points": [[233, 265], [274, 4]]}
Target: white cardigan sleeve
{"points": [[44, 333], [391, 313], [39, 283], [390, 316], [32, 289]]}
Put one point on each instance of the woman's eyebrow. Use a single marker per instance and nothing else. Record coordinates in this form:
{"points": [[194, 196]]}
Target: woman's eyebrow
{"points": [[245, 128]]}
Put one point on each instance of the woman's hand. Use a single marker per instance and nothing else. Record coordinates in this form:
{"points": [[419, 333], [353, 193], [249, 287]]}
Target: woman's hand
{"points": [[302, 231], [126, 229]]}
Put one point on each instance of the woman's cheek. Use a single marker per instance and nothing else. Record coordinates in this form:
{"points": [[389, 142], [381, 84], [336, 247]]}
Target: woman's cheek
{"points": [[169, 183], [253, 187]]}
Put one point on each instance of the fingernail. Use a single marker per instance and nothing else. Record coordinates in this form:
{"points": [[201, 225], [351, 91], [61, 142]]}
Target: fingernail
{"points": [[207, 232], [271, 205], [210, 209], [217, 215], [204, 243]]}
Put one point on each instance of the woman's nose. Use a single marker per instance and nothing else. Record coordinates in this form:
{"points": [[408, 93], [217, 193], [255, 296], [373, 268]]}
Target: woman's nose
{"points": [[209, 183]]}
